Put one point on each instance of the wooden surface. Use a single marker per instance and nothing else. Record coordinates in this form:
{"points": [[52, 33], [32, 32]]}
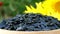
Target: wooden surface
{"points": [[29, 32]]}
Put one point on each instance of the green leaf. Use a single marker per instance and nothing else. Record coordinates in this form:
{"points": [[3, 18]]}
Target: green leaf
{"points": [[11, 7]]}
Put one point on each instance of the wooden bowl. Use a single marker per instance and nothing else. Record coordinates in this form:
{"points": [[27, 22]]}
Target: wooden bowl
{"points": [[29, 32]]}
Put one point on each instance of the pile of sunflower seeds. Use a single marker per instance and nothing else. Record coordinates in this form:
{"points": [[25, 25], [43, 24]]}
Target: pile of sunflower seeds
{"points": [[30, 22]]}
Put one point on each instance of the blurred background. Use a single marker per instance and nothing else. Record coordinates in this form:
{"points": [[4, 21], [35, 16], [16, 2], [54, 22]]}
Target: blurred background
{"points": [[10, 8]]}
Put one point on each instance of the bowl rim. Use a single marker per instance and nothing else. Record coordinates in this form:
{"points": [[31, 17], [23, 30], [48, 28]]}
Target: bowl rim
{"points": [[2, 31]]}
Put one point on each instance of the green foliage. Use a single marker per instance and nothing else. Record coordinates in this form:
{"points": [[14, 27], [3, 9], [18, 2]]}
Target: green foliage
{"points": [[12, 7]]}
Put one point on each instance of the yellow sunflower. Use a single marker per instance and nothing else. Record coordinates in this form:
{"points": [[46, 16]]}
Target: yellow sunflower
{"points": [[52, 7], [38, 9], [48, 7]]}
